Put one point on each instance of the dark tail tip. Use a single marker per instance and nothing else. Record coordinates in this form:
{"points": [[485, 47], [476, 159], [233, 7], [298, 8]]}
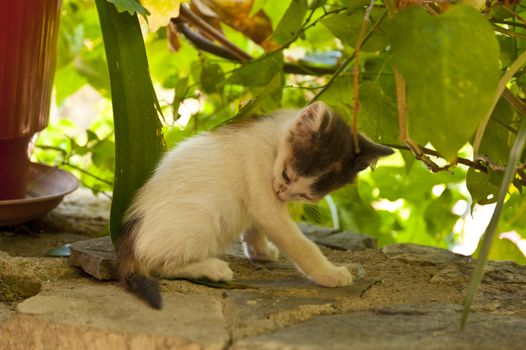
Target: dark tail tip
{"points": [[146, 288]]}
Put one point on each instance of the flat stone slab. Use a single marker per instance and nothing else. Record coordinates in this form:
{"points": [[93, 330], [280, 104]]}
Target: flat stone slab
{"points": [[403, 327], [90, 315]]}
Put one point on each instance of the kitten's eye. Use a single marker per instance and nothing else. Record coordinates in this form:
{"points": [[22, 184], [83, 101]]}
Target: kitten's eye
{"points": [[285, 176]]}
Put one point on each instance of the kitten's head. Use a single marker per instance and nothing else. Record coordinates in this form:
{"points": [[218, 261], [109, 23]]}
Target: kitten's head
{"points": [[317, 155]]}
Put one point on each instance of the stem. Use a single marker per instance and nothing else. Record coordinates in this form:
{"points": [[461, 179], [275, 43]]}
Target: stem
{"points": [[476, 277], [356, 72], [85, 172], [515, 66]]}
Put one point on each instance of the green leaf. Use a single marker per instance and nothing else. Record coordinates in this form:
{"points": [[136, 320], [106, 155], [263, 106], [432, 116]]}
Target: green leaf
{"points": [[130, 6], [260, 104], [346, 26], [103, 154], [259, 72], [291, 22], [451, 66], [138, 135], [377, 117], [212, 77]]}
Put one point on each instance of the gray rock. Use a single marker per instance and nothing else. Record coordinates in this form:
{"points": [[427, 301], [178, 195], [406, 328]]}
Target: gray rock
{"points": [[422, 255], [407, 327], [342, 240], [95, 256]]}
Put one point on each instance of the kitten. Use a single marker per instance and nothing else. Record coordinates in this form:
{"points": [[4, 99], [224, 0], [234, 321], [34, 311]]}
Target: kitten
{"points": [[238, 179]]}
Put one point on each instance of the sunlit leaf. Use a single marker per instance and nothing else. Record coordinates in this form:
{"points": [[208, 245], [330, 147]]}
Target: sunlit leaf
{"points": [[291, 21], [346, 26], [160, 12], [448, 98], [130, 6]]}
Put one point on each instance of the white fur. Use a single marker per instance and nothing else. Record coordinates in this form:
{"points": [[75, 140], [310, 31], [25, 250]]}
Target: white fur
{"points": [[213, 187]]}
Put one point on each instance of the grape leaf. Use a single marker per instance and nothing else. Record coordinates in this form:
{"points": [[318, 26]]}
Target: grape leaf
{"points": [[346, 26], [451, 66], [291, 21]]}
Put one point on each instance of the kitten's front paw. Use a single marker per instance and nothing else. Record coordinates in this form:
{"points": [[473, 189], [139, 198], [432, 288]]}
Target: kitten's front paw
{"points": [[334, 276], [219, 271]]}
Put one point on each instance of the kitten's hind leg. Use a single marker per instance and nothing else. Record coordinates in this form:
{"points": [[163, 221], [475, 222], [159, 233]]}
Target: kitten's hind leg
{"points": [[257, 247], [212, 268]]}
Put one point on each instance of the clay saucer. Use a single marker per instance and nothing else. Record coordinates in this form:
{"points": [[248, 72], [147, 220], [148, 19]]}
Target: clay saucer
{"points": [[46, 188]]}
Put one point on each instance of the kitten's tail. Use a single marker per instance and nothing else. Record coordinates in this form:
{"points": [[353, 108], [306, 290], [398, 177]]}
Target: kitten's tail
{"points": [[144, 287]]}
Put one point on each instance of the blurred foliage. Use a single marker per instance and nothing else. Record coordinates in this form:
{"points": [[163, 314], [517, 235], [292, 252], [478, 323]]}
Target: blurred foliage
{"points": [[289, 52]]}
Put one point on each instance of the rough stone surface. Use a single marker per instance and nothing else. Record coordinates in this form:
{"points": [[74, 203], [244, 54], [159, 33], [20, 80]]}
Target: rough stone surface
{"points": [[88, 315], [95, 256], [403, 297], [419, 254], [22, 277], [406, 327]]}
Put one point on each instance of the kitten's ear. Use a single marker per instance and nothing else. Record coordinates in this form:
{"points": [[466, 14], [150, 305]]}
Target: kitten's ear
{"points": [[369, 153], [310, 119]]}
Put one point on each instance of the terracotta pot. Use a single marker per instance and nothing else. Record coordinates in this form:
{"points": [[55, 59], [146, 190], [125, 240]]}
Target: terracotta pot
{"points": [[28, 44]]}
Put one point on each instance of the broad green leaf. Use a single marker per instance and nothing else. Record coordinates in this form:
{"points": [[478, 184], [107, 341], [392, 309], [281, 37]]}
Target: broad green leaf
{"points": [[340, 95], [346, 26], [377, 116], [291, 21], [130, 6], [483, 187], [265, 100], [451, 66], [103, 154], [138, 135], [259, 72]]}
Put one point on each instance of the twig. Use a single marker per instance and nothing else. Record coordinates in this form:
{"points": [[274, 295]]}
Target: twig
{"points": [[348, 60], [356, 72], [85, 172], [431, 152]]}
